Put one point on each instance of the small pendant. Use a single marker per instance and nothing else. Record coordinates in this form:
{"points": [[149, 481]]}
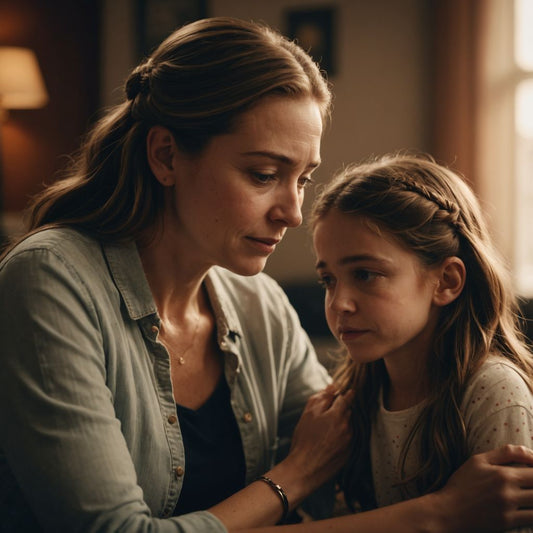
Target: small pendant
{"points": [[181, 361]]}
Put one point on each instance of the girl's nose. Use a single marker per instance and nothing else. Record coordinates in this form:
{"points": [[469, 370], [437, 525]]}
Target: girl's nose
{"points": [[342, 301]]}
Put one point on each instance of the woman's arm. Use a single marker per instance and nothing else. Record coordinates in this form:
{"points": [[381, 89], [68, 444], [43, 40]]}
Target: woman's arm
{"points": [[482, 496], [319, 449]]}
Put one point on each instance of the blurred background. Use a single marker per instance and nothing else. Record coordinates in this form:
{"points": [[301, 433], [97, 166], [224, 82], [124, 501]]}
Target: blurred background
{"points": [[450, 77]]}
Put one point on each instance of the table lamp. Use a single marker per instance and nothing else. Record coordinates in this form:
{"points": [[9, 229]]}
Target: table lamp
{"points": [[21, 87]]}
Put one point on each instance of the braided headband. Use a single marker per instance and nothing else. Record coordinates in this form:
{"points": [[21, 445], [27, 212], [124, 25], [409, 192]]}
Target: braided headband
{"points": [[444, 204]]}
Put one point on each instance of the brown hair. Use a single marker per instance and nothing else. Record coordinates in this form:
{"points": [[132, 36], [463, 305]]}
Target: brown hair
{"points": [[196, 83], [432, 211]]}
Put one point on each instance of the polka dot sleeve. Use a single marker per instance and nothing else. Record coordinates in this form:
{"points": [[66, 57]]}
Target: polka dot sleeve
{"points": [[498, 408]]}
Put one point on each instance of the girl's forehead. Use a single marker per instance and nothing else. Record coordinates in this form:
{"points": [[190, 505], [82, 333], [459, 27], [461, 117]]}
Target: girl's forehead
{"points": [[337, 229]]}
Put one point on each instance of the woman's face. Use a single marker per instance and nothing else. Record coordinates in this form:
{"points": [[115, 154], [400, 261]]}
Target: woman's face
{"points": [[232, 204]]}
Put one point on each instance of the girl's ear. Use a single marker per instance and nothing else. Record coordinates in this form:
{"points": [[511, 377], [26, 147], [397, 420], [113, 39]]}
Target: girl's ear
{"points": [[161, 150], [451, 281]]}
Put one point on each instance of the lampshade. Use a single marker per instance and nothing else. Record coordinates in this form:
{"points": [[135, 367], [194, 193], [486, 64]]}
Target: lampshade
{"points": [[21, 83]]}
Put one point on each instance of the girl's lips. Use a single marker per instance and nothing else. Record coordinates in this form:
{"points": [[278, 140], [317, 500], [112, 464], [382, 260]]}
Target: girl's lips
{"points": [[346, 335]]}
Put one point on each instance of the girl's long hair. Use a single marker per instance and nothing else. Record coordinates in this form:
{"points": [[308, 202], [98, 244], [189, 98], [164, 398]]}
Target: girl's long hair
{"points": [[433, 212], [196, 83]]}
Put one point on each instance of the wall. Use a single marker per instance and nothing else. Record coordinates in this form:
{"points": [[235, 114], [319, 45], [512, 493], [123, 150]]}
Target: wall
{"points": [[381, 87], [381, 92], [36, 143]]}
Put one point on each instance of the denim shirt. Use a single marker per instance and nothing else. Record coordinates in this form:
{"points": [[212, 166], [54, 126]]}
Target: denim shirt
{"points": [[89, 437]]}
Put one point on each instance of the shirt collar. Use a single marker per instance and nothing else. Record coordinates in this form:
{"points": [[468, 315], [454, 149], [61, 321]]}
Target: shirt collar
{"points": [[128, 274]]}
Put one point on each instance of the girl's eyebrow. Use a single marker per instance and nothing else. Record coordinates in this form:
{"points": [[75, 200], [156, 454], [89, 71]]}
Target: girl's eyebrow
{"points": [[355, 259], [279, 157]]}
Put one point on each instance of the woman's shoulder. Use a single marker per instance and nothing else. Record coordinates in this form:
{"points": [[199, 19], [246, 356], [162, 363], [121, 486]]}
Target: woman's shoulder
{"points": [[46, 252], [60, 240]]}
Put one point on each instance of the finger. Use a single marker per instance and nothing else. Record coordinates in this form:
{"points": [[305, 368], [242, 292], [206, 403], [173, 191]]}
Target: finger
{"points": [[510, 453], [521, 518], [344, 401], [320, 401], [524, 499], [331, 389], [524, 479]]}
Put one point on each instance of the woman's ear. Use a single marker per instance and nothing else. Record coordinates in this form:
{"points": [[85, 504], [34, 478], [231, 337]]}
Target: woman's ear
{"points": [[160, 150], [452, 276]]}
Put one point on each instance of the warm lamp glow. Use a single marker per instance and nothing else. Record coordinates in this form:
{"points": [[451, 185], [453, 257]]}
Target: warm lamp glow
{"points": [[21, 83]]}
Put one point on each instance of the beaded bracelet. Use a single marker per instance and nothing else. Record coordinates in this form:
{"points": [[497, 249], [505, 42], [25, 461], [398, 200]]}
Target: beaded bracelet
{"points": [[282, 496]]}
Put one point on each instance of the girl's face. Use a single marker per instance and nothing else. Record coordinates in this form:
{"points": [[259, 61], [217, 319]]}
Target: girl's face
{"points": [[232, 204], [379, 296]]}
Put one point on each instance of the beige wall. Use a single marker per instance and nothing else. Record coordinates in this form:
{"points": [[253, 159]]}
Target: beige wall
{"points": [[381, 86]]}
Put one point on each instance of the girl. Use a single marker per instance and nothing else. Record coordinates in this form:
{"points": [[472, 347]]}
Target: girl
{"points": [[418, 296], [149, 370]]}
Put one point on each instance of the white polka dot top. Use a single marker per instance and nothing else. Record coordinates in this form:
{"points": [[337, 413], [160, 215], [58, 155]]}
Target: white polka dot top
{"points": [[497, 407]]}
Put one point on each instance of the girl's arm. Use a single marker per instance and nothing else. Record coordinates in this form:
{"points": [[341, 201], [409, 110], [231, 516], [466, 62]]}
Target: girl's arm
{"points": [[482, 496]]}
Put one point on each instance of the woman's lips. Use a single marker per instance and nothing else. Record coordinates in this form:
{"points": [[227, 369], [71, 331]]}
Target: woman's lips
{"points": [[264, 244]]}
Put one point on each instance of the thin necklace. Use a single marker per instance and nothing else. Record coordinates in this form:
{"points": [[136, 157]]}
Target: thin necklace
{"points": [[181, 358]]}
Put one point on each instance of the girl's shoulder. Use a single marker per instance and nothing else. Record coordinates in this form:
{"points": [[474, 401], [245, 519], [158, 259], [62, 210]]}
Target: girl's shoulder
{"points": [[498, 384]]}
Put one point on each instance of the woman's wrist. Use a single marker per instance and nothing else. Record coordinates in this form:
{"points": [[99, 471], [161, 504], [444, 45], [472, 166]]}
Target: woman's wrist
{"points": [[278, 489], [296, 482], [432, 513]]}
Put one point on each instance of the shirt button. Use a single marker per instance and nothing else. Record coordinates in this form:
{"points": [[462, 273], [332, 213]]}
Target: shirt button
{"points": [[247, 417], [179, 471], [155, 329], [172, 419]]}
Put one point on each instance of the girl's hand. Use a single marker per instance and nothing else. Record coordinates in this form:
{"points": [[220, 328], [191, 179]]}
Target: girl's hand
{"points": [[321, 440], [492, 491]]}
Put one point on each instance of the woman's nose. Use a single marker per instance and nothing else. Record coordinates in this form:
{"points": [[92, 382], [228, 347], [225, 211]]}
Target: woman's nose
{"points": [[288, 208]]}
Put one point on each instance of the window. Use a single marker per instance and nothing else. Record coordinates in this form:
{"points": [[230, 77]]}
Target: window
{"points": [[523, 141]]}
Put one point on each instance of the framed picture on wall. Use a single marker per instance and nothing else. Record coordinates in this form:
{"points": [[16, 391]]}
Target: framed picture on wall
{"points": [[313, 29], [157, 19]]}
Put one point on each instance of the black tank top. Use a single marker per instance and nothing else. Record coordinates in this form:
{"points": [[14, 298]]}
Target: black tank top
{"points": [[214, 456]]}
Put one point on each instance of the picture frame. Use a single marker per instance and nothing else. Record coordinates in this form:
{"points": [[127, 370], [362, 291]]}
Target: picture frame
{"points": [[313, 29], [157, 19]]}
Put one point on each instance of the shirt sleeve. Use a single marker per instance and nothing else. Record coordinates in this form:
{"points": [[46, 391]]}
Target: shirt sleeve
{"points": [[63, 454], [499, 410]]}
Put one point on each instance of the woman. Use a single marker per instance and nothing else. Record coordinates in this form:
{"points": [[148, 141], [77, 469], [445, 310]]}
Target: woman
{"points": [[149, 369]]}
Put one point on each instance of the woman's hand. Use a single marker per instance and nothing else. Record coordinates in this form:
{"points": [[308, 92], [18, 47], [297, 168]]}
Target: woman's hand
{"points": [[484, 495], [321, 440], [320, 446]]}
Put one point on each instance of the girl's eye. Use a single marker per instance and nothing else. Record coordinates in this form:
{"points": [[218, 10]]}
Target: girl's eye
{"points": [[365, 275], [326, 282]]}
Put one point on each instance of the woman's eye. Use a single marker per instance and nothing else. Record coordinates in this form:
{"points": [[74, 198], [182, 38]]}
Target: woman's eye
{"points": [[304, 182], [263, 177]]}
